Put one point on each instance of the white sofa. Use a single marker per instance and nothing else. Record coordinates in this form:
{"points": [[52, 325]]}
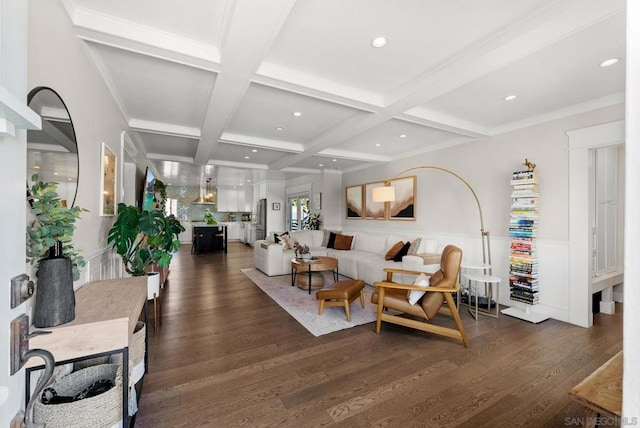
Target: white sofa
{"points": [[365, 260]]}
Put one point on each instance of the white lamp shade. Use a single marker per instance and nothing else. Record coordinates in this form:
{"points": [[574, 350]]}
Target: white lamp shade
{"points": [[383, 194]]}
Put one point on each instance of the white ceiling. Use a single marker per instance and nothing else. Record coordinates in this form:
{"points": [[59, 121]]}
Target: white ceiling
{"points": [[210, 82]]}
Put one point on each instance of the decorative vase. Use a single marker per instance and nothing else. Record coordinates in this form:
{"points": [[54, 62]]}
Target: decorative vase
{"points": [[55, 298], [305, 256]]}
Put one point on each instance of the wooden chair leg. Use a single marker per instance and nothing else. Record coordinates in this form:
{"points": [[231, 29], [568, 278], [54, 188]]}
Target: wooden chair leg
{"points": [[456, 318], [346, 309], [321, 307], [380, 306], [362, 299]]}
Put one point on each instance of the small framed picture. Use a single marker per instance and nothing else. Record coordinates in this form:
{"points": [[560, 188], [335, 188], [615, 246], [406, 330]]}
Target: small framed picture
{"points": [[276, 206]]}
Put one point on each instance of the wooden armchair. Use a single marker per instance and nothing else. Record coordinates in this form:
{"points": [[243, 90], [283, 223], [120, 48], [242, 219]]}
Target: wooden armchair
{"points": [[442, 284]]}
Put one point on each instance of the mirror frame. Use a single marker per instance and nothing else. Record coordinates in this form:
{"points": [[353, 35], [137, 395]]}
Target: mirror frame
{"points": [[32, 94]]}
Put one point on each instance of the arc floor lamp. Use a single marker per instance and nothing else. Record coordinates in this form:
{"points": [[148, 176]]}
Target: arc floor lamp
{"points": [[387, 193]]}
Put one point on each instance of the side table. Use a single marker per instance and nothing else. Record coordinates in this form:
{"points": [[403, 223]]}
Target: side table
{"points": [[475, 278]]}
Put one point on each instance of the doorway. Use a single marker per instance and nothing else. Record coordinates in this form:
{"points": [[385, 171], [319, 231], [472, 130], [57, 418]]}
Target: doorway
{"points": [[297, 210]]}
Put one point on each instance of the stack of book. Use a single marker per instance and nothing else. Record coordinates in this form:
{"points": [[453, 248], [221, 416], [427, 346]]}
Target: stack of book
{"points": [[523, 227]]}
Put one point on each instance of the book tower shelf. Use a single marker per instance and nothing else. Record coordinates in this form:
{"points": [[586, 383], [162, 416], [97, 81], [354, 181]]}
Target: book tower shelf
{"points": [[523, 261]]}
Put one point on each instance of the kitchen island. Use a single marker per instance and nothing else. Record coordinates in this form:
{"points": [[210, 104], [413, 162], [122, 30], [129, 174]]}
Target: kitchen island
{"points": [[209, 237]]}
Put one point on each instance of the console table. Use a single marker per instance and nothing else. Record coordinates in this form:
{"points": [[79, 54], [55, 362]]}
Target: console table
{"points": [[106, 316]]}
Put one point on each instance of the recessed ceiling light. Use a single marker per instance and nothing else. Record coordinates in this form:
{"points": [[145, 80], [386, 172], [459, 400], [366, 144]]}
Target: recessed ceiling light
{"points": [[246, 157], [36, 167], [254, 151], [379, 42], [55, 173], [510, 97], [334, 160], [279, 128], [609, 62], [297, 113], [403, 135], [378, 144], [320, 164]]}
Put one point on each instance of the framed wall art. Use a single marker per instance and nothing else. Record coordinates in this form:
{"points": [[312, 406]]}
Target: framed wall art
{"points": [[404, 207], [108, 168], [354, 201], [373, 210]]}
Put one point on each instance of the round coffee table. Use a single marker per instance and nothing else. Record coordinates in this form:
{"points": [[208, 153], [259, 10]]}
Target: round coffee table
{"points": [[307, 274]]}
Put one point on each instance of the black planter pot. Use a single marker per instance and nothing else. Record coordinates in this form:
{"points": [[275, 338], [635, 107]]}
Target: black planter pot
{"points": [[55, 298]]}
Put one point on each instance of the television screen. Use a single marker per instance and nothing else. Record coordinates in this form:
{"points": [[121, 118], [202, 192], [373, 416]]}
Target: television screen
{"points": [[148, 191]]}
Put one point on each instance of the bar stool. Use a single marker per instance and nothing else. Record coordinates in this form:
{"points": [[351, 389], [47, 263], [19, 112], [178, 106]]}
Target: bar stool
{"points": [[475, 278]]}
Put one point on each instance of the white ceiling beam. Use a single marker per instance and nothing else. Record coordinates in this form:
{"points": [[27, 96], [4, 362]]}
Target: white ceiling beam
{"points": [[252, 28], [164, 128], [433, 119], [163, 157], [111, 31], [333, 152], [232, 164], [248, 140], [280, 77]]}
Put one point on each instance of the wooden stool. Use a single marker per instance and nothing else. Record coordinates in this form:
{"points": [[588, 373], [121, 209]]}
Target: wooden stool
{"points": [[341, 293]]}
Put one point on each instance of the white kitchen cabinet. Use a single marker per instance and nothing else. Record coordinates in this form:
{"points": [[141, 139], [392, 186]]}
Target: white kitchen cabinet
{"points": [[235, 200], [233, 231]]}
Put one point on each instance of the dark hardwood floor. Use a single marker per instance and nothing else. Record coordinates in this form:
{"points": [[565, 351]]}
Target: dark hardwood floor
{"points": [[227, 355]]}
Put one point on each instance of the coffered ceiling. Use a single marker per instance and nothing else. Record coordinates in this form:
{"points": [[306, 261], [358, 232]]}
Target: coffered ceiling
{"points": [[217, 82]]}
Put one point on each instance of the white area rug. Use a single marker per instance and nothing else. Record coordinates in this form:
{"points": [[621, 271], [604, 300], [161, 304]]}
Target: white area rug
{"points": [[304, 307]]}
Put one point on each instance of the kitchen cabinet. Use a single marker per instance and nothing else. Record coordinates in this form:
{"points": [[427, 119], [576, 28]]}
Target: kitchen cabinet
{"points": [[233, 230], [235, 200]]}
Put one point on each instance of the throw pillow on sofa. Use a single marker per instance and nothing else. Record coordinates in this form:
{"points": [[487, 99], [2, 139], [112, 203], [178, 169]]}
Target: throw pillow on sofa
{"points": [[326, 234], [394, 250], [332, 239], [415, 245], [414, 295], [403, 252], [279, 238], [343, 242]]}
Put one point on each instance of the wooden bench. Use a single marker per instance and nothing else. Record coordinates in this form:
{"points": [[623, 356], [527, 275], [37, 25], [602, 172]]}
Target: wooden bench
{"points": [[601, 392]]}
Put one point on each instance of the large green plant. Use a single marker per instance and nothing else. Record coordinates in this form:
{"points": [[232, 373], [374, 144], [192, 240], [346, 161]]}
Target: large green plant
{"points": [[54, 222], [144, 237]]}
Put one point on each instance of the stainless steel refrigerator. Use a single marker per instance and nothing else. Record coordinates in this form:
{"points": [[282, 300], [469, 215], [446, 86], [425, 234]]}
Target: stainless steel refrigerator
{"points": [[261, 219]]}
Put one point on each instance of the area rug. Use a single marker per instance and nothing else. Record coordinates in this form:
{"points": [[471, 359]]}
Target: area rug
{"points": [[304, 307]]}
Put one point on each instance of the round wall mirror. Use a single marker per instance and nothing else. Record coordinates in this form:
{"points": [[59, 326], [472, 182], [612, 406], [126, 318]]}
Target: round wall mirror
{"points": [[52, 152]]}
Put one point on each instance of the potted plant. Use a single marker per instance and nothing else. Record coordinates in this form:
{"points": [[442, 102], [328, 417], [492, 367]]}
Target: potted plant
{"points": [[142, 238], [311, 222], [50, 249]]}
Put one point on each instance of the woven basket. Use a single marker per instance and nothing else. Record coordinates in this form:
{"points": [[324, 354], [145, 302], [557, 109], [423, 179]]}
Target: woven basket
{"points": [[103, 410], [137, 347]]}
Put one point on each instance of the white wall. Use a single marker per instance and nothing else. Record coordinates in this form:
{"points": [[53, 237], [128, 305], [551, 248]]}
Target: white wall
{"points": [[13, 60], [446, 209], [58, 59], [631, 382], [51, 57], [329, 184]]}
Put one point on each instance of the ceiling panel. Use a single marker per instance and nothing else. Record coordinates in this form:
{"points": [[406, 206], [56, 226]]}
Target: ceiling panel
{"points": [[320, 162], [263, 109], [156, 90], [396, 136], [247, 154], [563, 74], [331, 38], [169, 145]]}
